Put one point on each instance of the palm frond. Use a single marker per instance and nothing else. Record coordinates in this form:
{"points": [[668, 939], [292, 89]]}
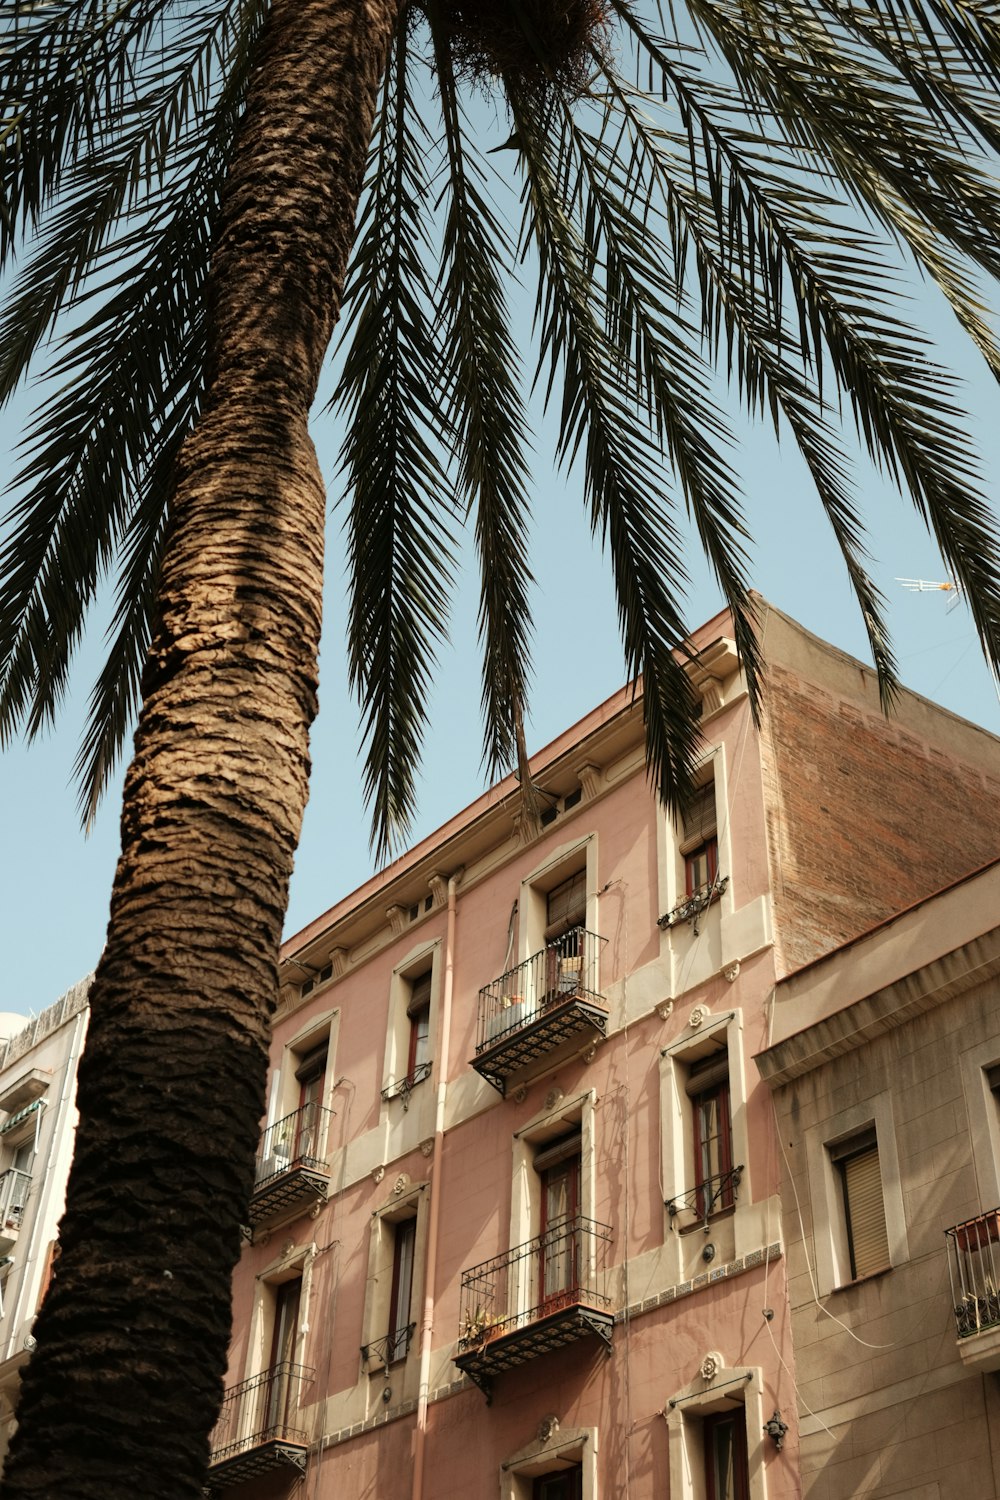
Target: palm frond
{"points": [[400, 544], [126, 175], [624, 478], [487, 418], [905, 407], [647, 320], [128, 379]]}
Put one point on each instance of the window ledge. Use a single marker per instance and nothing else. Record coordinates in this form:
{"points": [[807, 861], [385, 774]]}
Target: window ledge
{"points": [[847, 1286], [699, 1224]]}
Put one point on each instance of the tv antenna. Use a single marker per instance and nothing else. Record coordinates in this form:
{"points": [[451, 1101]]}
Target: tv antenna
{"points": [[933, 586]]}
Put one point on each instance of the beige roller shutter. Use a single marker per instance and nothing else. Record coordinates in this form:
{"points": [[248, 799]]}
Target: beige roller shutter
{"points": [[865, 1212]]}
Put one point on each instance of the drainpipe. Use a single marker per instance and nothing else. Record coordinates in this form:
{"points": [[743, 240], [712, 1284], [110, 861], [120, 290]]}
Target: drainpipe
{"points": [[427, 1321]]}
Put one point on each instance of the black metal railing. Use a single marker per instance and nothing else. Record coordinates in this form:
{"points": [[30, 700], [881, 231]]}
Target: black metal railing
{"points": [[693, 906], [564, 1267], [14, 1188], [385, 1351], [296, 1140], [262, 1409], [712, 1196], [403, 1087], [561, 971], [974, 1272]]}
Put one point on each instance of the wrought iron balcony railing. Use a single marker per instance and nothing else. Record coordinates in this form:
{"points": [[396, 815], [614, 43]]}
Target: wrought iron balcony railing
{"points": [[974, 1272], [550, 1001], [260, 1426], [298, 1139], [291, 1163], [693, 907], [385, 1351], [14, 1188], [403, 1087], [537, 1297], [714, 1195]]}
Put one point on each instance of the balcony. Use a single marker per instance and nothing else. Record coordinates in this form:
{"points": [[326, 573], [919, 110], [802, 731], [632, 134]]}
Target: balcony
{"points": [[542, 1295], [259, 1431], [974, 1273], [715, 1195], [539, 1013], [292, 1172], [14, 1188], [381, 1353]]}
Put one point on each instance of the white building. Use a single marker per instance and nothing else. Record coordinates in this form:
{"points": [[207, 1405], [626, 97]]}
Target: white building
{"points": [[38, 1063]]}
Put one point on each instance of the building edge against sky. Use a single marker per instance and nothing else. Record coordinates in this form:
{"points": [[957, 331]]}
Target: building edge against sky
{"points": [[520, 1223], [524, 1223]]}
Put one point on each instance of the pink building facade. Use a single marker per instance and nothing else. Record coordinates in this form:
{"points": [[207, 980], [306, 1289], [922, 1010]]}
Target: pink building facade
{"points": [[517, 1229]]}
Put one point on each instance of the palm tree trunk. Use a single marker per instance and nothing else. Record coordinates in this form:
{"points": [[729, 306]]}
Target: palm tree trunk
{"points": [[125, 1384]]}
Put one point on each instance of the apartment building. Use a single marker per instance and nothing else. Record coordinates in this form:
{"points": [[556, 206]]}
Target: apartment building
{"points": [[885, 1066], [518, 1227], [38, 1063]]}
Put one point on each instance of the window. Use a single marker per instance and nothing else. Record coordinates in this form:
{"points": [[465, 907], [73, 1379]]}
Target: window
{"points": [[404, 1246], [857, 1165], [712, 1130], [310, 1075], [724, 1443], [279, 1391], [566, 906], [560, 1464], [699, 842], [559, 1169], [562, 1484], [409, 1040], [703, 1132], [418, 1011], [397, 1251], [855, 1192], [714, 1427]]}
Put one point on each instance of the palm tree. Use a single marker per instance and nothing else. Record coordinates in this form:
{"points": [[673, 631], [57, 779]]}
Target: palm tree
{"points": [[184, 180]]}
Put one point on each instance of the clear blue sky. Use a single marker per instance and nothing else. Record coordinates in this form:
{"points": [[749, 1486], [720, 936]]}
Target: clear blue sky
{"points": [[55, 882]]}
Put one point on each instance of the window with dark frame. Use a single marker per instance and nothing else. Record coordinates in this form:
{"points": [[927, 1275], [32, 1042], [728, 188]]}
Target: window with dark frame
{"points": [[401, 1295], [724, 1439], [701, 844], [559, 1167], [560, 1484], [310, 1075], [857, 1163], [708, 1089], [418, 1010]]}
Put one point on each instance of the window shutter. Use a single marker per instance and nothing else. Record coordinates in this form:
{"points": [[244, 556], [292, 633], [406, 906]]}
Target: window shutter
{"points": [[420, 996], [865, 1213], [567, 903], [698, 819]]}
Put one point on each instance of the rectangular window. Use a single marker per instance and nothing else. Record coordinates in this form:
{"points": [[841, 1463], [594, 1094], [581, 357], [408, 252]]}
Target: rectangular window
{"points": [[701, 867], [280, 1387], [558, 1165], [418, 1010], [404, 1246], [566, 906], [699, 842], [857, 1164], [311, 1078], [725, 1446], [708, 1090], [563, 1484]]}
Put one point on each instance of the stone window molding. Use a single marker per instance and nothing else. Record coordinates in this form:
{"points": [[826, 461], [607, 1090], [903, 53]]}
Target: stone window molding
{"points": [[556, 1449], [715, 1388], [832, 1256]]}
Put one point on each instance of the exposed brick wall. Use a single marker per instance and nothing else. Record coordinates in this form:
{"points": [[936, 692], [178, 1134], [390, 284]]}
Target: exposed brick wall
{"points": [[864, 817]]}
